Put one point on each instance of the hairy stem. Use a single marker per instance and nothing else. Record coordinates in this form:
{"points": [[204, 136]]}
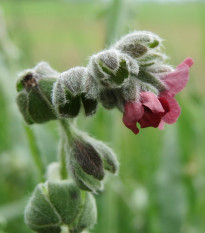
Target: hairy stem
{"points": [[62, 157], [66, 136], [65, 126]]}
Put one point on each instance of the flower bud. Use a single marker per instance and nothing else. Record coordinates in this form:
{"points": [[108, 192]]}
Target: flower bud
{"points": [[152, 58], [110, 162], [74, 86], [148, 78], [87, 161], [138, 43], [85, 166], [57, 204], [108, 97], [34, 98], [90, 95], [111, 68], [130, 90], [159, 70]]}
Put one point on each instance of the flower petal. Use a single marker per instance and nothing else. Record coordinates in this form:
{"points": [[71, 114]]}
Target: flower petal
{"points": [[177, 80], [150, 119], [164, 103], [161, 125], [151, 101], [166, 107], [133, 111], [189, 61], [171, 116]]}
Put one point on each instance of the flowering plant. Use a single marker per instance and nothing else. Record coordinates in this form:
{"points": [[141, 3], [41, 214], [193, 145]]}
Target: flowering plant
{"points": [[133, 76]]}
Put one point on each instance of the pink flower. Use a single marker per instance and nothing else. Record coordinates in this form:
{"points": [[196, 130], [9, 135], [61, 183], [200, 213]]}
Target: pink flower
{"points": [[154, 111]]}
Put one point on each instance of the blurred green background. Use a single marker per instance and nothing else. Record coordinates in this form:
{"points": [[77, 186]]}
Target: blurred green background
{"points": [[161, 184]]}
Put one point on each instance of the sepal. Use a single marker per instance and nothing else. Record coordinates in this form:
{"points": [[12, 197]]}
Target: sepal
{"points": [[138, 43], [111, 68], [73, 87], [34, 94], [56, 204], [88, 159]]}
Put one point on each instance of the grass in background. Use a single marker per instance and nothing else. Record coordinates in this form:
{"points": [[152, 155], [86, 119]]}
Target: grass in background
{"points": [[160, 188]]}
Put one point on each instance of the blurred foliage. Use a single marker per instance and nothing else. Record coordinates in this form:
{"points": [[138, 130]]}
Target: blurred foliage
{"points": [[161, 184]]}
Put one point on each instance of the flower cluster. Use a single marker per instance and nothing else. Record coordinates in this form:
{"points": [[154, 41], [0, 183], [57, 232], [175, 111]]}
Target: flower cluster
{"points": [[152, 110], [132, 75]]}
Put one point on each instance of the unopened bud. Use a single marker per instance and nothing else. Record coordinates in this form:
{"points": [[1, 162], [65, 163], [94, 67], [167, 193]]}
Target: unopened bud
{"points": [[57, 204], [66, 199], [74, 86], [40, 215], [109, 159], [111, 68], [130, 91], [83, 180], [150, 79], [88, 158], [90, 95], [116, 97], [108, 98], [85, 166], [148, 88], [159, 70], [34, 98], [87, 161], [138, 43], [152, 58]]}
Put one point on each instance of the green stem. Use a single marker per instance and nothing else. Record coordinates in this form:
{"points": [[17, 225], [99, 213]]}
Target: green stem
{"points": [[65, 125], [62, 158], [66, 137], [35, 152]]}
